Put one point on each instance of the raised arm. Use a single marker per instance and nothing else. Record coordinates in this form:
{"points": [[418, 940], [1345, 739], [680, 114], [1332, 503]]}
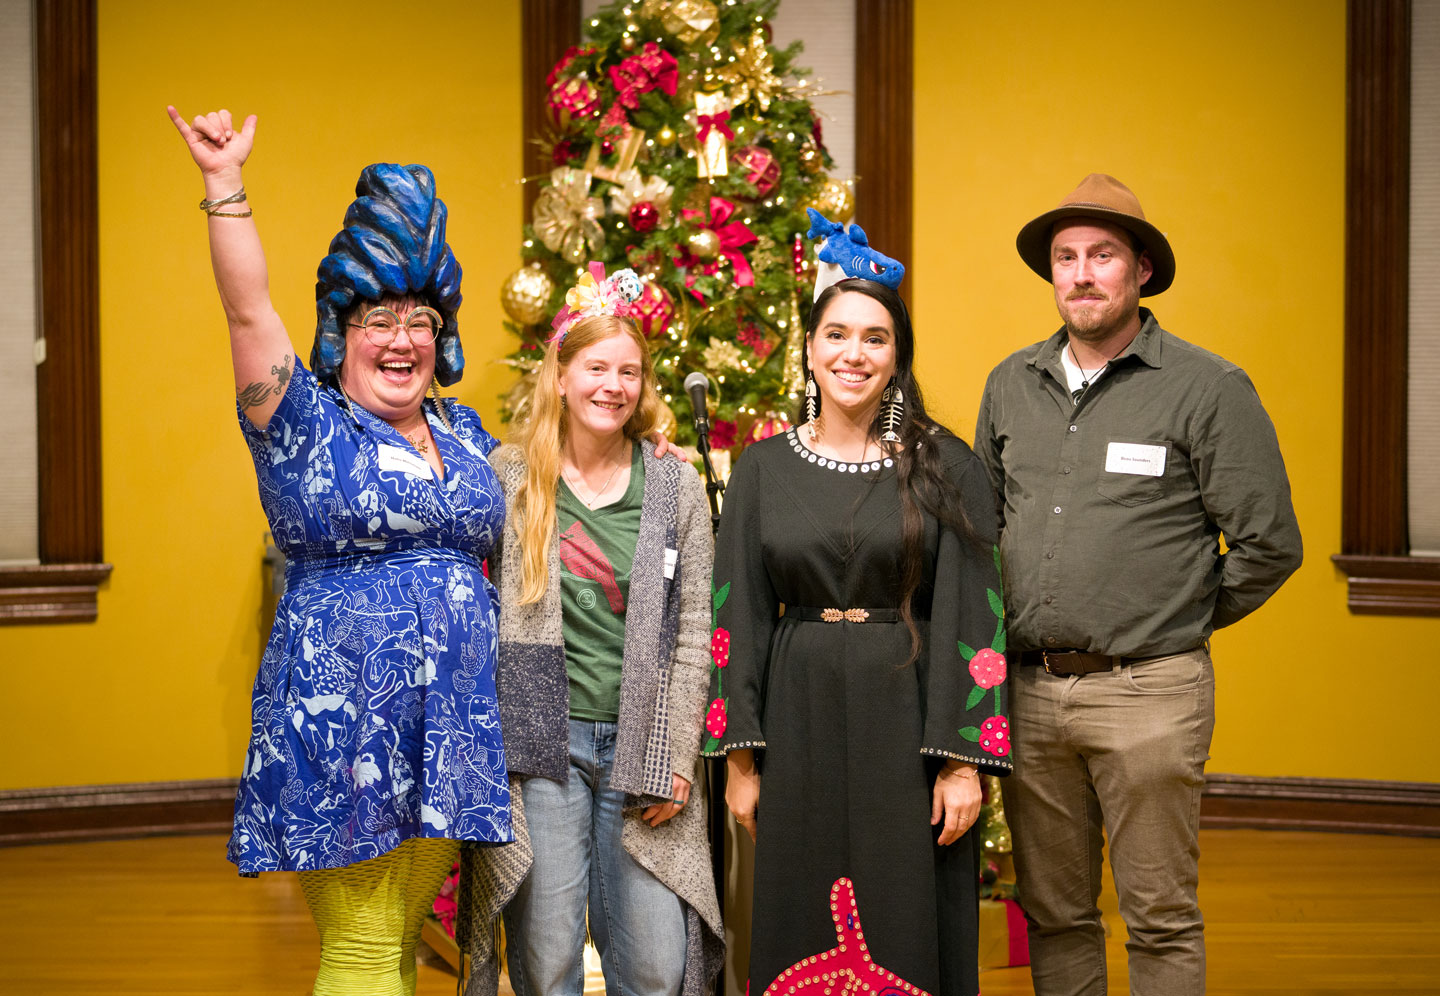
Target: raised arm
{"points": [[259, 347]]}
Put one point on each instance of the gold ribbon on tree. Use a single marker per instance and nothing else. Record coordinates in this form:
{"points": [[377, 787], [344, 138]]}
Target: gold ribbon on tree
{"points": [[567, 218], [752, 74]]}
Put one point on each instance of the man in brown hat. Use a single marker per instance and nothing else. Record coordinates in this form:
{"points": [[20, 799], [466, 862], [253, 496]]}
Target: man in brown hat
{"points": [[1122, 455]]}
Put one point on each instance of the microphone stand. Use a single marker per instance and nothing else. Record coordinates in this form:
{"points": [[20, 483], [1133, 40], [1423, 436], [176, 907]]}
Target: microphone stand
{"points": [[713, 487], [714, 767]]}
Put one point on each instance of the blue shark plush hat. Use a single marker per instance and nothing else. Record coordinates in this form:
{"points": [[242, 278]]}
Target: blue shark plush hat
{"points": [[393, 243], [848, 254]]}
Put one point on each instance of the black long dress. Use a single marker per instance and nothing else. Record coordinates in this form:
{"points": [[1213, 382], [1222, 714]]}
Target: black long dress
{"points": [[848, 736]]}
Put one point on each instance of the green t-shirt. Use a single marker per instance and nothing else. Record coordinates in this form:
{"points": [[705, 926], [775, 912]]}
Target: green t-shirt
{"points": [[597, 547]]}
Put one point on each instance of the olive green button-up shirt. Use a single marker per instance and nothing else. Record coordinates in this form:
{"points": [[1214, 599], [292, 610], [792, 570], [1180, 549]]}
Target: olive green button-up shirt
{"points": [[1113, 506]]}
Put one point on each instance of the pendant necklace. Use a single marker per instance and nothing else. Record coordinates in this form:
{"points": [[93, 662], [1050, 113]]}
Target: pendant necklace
{"points": [[590, 502]]}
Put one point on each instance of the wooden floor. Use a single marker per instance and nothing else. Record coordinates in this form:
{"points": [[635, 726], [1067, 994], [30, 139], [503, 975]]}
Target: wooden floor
{"points": [[1287, 913]]}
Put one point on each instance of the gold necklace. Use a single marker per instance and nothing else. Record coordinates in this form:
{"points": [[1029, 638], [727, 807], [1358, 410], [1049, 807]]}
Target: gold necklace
{"points": [[421, 446]]}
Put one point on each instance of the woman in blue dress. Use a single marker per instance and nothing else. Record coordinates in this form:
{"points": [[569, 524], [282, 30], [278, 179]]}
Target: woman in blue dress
{"points": [[375, 742]]}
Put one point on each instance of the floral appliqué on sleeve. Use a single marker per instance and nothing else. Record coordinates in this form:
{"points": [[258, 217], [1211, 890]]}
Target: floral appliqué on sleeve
{"points": [[987, 667], [715, 719]]}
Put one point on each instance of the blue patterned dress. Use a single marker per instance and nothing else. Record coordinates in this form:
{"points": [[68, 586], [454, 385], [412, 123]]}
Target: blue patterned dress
{"points": [[374, 717]]}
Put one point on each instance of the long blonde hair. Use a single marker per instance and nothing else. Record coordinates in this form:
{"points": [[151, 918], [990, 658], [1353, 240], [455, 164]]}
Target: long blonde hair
{"points": [[541, 439]]}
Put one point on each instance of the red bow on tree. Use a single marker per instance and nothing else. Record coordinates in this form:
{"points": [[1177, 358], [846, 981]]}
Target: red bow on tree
{"points": [[732, 234], [653, 67], [705, 122]]}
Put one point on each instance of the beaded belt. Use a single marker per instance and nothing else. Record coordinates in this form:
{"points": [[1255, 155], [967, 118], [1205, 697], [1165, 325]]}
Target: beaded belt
{"points": [[809, 614]]}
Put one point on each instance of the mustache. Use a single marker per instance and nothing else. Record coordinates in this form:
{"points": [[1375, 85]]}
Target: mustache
{"points": [[1080, 292]]}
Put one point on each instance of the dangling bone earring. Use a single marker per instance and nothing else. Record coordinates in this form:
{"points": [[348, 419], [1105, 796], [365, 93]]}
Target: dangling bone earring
{"points": [[812, 407], [440, 405], [892, 412]]}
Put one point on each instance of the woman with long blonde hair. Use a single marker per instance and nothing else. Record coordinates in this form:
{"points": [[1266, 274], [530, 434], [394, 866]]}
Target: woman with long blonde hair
{"points": [[604, 579]]}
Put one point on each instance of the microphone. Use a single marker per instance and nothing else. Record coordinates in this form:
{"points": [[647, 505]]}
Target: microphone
{"points": [[696, 385]]}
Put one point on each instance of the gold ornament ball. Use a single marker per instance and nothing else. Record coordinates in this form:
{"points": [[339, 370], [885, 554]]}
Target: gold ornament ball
{"points": [[703, 243], [665, 422], [810, 158], [833, 199], [666, 136], [525, 294]]}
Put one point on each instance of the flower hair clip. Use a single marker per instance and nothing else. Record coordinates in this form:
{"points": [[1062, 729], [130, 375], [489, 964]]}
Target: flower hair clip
{"points": [[594, 294]]}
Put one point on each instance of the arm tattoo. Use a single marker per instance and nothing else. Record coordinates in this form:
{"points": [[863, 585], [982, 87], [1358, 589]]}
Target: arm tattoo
{"points": [[282, 373], [256, 392]]}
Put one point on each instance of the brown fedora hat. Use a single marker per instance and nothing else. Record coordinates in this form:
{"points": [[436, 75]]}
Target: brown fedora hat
{"points": [[1104, 198]]}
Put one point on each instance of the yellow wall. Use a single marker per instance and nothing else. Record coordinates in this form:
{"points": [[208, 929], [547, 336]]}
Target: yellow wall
{"points": [[158, 689], [1227, 123], [1227, 119]]}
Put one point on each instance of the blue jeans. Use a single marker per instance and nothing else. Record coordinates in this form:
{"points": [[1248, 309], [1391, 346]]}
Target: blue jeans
{"points": [[638, 924]]}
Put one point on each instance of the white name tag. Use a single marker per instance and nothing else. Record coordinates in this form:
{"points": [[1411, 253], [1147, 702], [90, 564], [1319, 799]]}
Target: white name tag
{"points": [[1135, 458], [671, 557], [394, 458]]}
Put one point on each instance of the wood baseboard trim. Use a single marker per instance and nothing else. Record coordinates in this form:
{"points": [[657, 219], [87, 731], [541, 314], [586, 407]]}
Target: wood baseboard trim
{"points": [[151, 809], [110, 812], [1333, 804]]}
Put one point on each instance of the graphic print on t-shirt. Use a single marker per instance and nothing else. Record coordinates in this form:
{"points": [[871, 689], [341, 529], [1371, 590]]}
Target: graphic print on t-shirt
{"points": [[583, 558]]}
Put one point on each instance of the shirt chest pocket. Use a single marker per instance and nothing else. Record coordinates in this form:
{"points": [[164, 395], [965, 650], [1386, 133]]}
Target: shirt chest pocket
{"points": [[1133, 471]]}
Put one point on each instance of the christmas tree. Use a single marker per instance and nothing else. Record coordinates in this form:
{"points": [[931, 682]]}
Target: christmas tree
{"points": [[685, 147]]}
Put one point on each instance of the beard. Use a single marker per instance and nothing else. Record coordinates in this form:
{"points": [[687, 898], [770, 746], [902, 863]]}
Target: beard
{"points": [[1095, 322]]}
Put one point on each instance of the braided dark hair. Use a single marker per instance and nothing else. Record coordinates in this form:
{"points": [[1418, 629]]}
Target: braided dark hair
{"points": [[393, 243]]}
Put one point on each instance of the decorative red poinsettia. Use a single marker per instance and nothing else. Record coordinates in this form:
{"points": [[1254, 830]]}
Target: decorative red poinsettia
{"points": [[715, 719], [722, 437], [995, 736], [720, 646], [987, 668], [749, 335]]}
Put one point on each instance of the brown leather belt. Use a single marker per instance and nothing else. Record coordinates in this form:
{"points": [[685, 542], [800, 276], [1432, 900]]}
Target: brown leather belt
{"points": [[1071, 662]]}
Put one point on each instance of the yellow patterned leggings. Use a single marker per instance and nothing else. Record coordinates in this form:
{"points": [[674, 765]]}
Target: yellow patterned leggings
{"points": [[370, 914]]}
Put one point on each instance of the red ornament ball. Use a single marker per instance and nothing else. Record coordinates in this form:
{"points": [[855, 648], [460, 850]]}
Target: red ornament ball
{"points": [[653, 311], [644, 216], [760, 167], [572, 99], [607, 147]]}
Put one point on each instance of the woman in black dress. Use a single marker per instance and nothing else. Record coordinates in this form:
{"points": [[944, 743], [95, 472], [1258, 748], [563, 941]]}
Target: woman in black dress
{"points": [[857, 685]]}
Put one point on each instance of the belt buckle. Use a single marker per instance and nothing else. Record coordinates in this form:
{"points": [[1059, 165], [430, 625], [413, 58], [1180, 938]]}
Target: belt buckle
{"points": [[844, 615], [1045, 656]]}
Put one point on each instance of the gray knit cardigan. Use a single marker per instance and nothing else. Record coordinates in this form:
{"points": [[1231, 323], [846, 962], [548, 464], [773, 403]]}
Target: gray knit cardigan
{"points": [[664, 680]]}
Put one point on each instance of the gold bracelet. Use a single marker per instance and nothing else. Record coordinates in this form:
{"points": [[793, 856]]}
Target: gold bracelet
{"points": [[234, 198], [229, 214]]}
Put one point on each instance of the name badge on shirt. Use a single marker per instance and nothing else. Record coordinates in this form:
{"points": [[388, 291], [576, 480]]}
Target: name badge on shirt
{"points": [[671, 557], [1135, 458], [394, 458]]}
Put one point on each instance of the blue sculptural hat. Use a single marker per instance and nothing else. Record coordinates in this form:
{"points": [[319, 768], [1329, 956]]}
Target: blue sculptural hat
{"points": [[844, 255], [393, 243]]}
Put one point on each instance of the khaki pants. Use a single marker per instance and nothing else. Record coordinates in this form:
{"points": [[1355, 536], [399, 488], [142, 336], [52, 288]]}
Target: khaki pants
{"points": [[1118, 754]]}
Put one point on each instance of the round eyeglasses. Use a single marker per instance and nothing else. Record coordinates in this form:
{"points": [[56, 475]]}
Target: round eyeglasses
{"points": [[382, 325]]}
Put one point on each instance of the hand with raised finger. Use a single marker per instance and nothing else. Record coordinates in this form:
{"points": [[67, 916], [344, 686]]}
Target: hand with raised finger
{"points": [[956, 800], [213, 142], [660, 812]]}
